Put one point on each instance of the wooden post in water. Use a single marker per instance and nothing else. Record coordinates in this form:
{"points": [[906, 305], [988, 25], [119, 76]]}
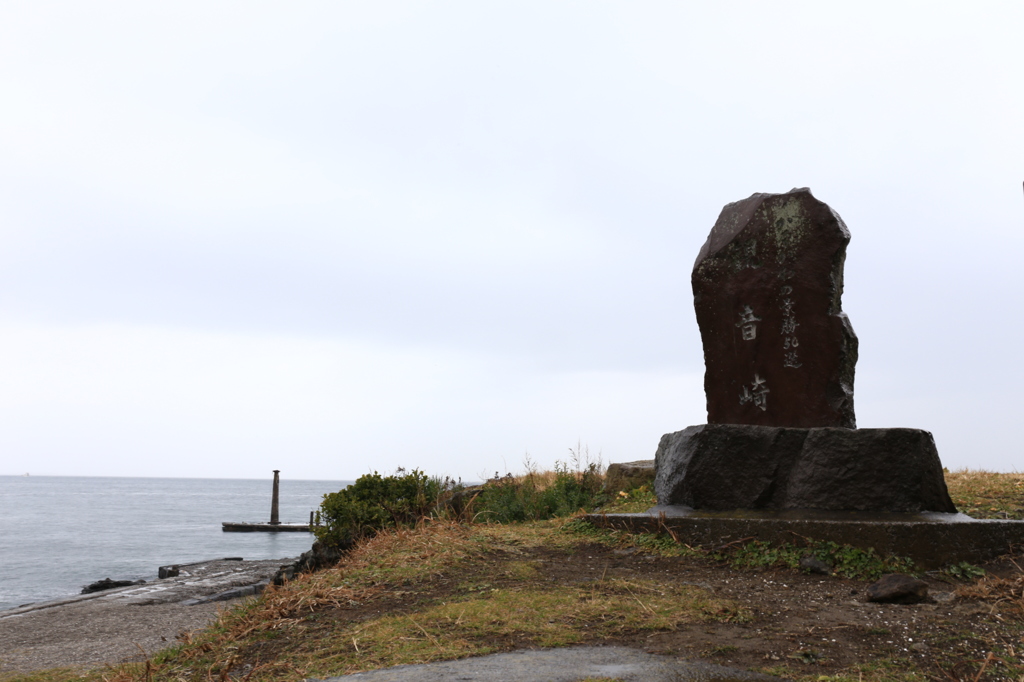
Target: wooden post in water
{"points": [[274, 518]]}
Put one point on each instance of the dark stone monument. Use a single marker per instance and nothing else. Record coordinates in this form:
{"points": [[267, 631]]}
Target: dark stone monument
{"points": [[767, 288], [779, 357], [780, 457]]}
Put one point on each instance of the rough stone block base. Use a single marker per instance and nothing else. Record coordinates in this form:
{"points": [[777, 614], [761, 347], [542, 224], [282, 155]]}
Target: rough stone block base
{"points": [[732, 466]]}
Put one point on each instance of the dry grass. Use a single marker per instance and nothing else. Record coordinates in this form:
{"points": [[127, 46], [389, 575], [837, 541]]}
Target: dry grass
{"points": [[441, 591], [1005, 594], [371, 568], [531, 616], [987, 495]]}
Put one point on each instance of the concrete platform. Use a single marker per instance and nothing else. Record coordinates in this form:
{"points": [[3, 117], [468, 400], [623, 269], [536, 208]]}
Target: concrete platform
{"points": [[931, 539], [193, 581], [233, 527]]}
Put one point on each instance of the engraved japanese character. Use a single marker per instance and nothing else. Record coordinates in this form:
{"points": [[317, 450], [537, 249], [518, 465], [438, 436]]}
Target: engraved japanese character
{"points": [[746, 324], [790, 359], [757, 393], [789, 325], [787, 306]]}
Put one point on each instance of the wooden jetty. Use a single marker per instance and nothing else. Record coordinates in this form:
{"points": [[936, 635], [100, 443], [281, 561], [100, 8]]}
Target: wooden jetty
{"points": [[275, 525]]}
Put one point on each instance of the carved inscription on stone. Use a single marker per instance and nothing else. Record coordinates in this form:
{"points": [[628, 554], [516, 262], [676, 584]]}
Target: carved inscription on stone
{"points": [[757, 394], [767, 291], [790, 354], [748, 324]]}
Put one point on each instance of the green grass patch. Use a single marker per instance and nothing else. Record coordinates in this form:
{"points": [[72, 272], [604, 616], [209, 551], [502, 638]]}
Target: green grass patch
{"points": [[847, 561]]}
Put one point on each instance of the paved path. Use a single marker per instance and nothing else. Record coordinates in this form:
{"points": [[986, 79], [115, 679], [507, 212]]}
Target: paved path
{"points": [[562, 665]]}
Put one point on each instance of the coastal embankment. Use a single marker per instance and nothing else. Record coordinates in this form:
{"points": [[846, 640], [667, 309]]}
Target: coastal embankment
{"points": [[127, 623]]}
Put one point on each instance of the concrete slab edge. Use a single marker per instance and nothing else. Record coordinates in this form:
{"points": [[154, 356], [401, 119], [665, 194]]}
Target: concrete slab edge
{"points": [[930, 544]]}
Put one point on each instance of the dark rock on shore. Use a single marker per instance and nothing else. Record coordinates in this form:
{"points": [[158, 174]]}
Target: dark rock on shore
{"points": [[108, 584], [319, 557]]}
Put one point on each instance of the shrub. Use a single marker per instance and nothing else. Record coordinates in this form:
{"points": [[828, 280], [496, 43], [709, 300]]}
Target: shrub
{"points": [[535, 496], [375, 502]]}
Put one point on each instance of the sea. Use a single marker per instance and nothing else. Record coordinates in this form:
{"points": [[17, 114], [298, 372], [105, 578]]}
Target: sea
{"points": [[60, 533]]}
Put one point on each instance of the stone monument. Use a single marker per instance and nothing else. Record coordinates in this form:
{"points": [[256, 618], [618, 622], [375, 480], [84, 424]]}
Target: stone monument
{"points": [[779, 357], [780, 457], [767, 289]]}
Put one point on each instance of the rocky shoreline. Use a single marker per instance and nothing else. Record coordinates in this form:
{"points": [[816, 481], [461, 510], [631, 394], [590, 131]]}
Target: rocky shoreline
{"points": [[127, 623]]}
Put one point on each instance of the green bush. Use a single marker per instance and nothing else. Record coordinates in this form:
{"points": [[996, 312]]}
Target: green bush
{"points": [[532, 497], [375, 502]]}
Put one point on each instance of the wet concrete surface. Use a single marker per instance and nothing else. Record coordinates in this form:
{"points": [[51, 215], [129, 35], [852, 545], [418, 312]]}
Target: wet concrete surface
{"points": [[562, 665], [196, 581]]}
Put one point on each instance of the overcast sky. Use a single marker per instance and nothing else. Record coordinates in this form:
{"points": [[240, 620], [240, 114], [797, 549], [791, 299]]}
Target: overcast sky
{"points": [[336, 237]]}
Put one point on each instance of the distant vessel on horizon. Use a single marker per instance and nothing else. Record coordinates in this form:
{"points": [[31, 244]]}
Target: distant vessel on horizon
{"points": [[26, 473]]}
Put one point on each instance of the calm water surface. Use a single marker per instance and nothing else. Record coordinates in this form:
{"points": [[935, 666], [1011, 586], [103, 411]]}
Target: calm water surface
{"points": [[60, 533]]}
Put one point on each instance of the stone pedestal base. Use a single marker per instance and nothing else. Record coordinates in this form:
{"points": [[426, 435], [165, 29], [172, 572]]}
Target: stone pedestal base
{"points": [[931, 540], [730, 467]]}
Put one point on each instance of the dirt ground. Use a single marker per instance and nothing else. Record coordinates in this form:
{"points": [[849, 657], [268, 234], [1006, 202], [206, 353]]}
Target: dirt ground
{"points": [[801, 624]]}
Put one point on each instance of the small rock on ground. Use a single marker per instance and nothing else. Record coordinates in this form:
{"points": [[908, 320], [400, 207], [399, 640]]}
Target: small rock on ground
{"points": [[896, 588], [814, 565]]}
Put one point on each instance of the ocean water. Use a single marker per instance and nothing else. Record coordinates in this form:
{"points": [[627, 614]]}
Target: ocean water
{"points": [[59, 533]]}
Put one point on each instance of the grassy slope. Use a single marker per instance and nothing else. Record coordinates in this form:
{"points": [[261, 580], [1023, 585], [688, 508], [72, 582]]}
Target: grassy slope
{"points": [[445, 591]]}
